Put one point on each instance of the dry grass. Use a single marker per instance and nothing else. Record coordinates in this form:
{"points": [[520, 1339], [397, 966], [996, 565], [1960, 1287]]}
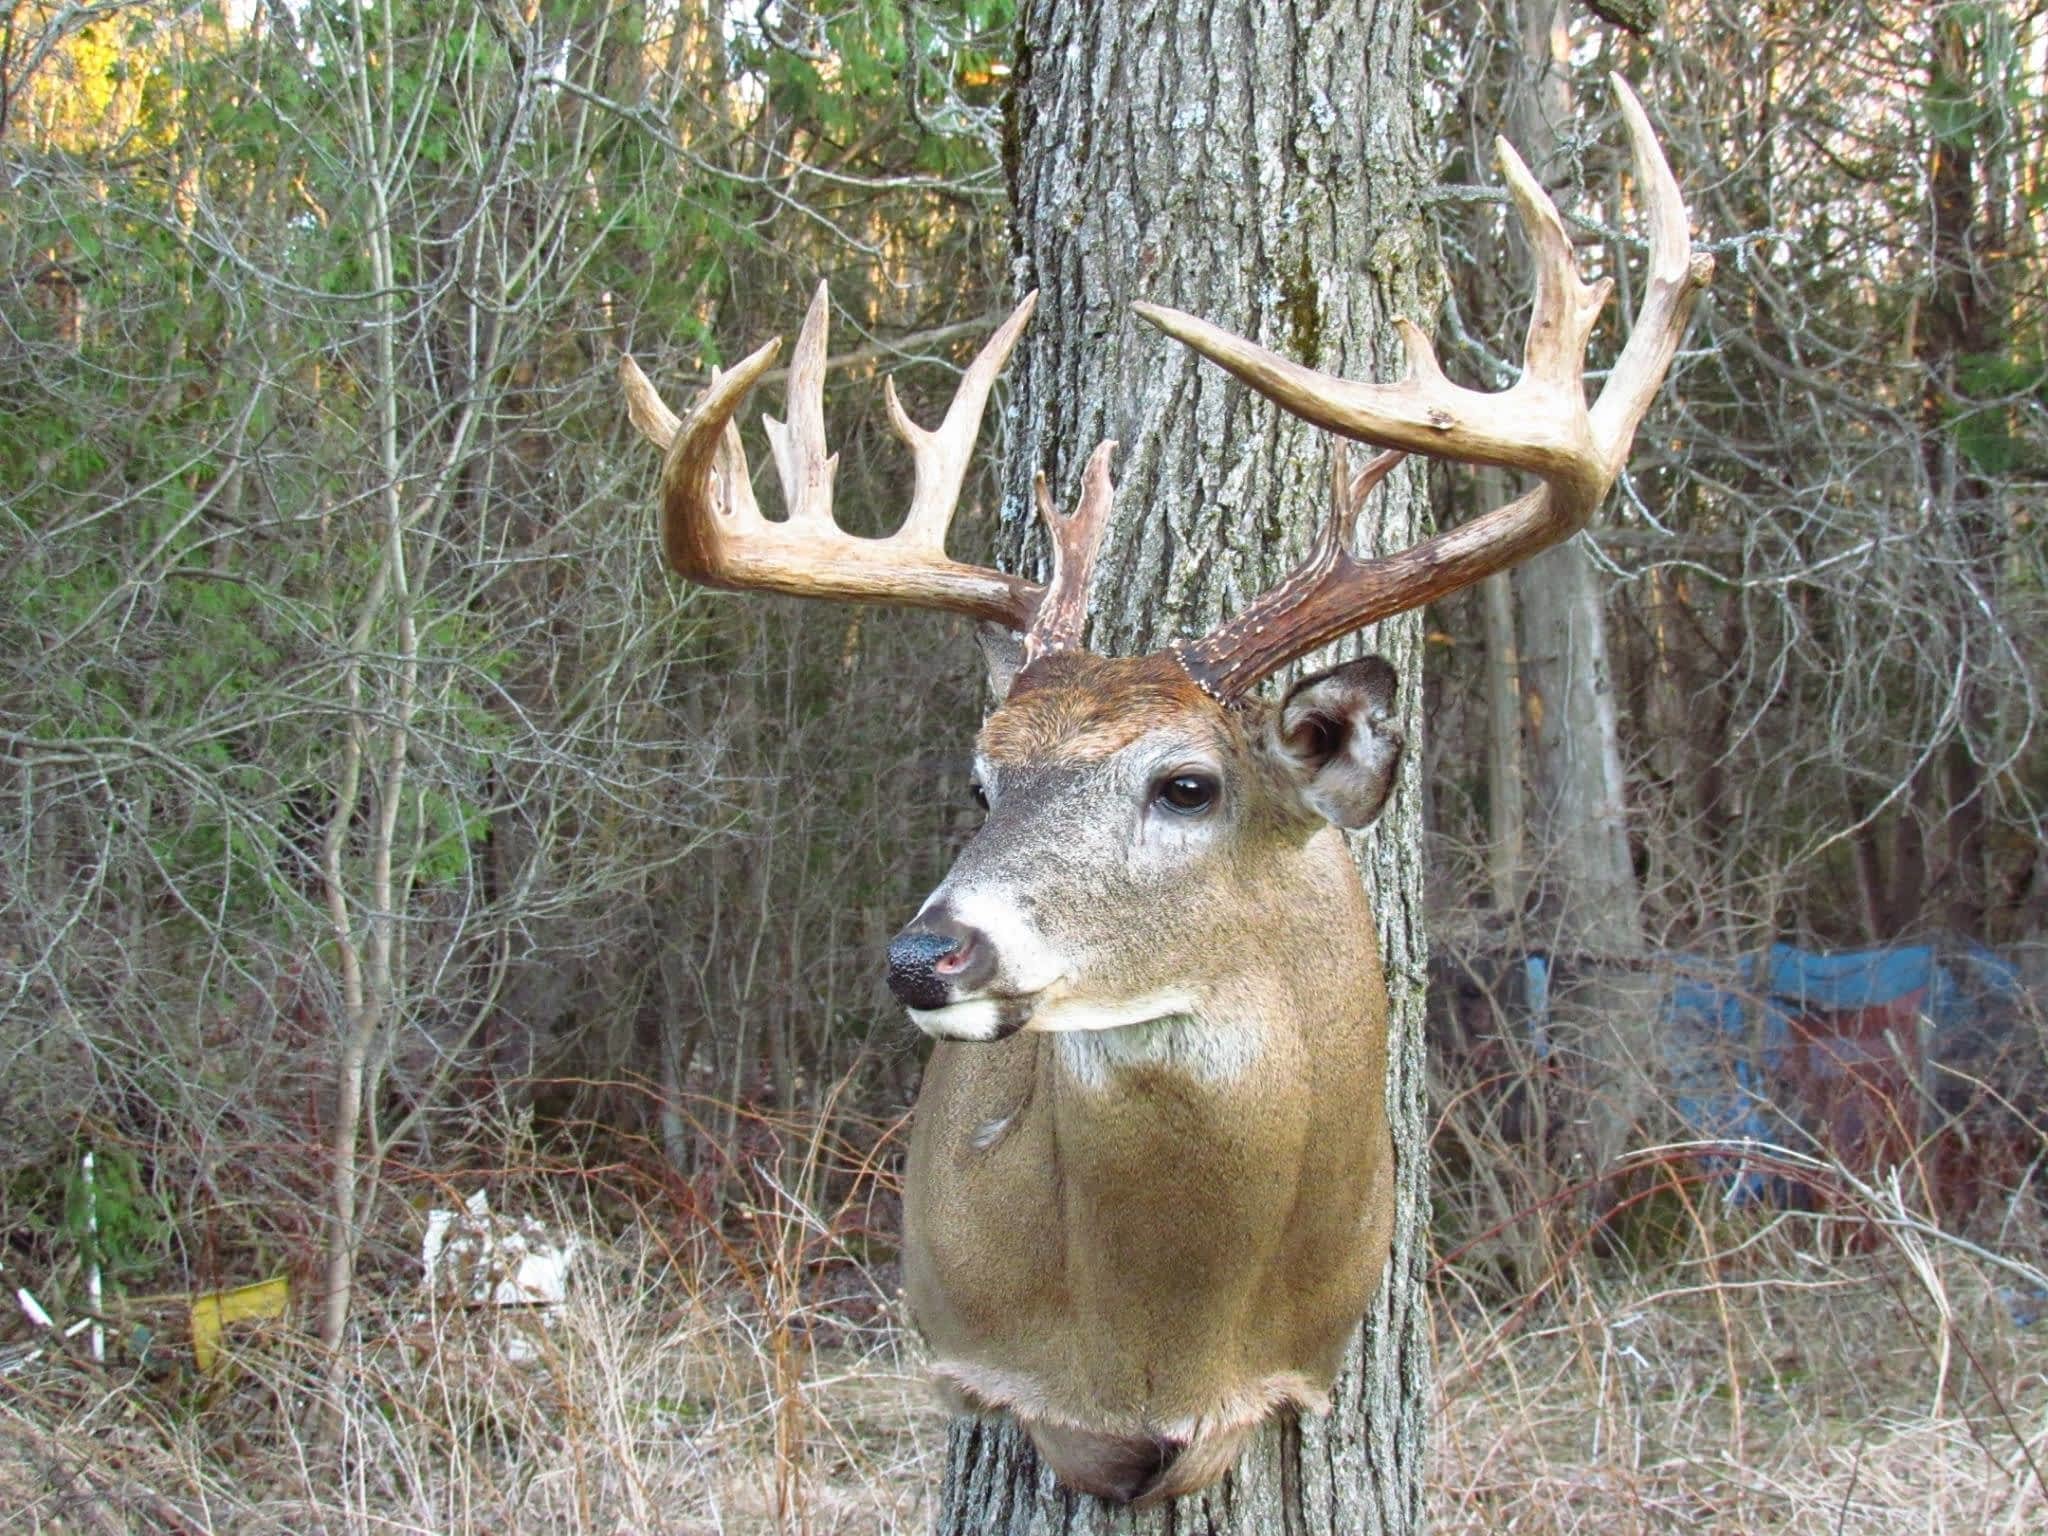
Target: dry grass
{"points": [[661, 1399], [1857, 1371], [1810, 1399], [1758, 1379]]}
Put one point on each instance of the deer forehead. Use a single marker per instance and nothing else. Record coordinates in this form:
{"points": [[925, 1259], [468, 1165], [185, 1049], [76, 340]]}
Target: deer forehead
{"points": [[1074, 708]]}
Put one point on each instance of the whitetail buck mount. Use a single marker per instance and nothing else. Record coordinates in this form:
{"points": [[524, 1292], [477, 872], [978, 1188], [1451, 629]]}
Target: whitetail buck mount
{"points": [[1150, 1181]]}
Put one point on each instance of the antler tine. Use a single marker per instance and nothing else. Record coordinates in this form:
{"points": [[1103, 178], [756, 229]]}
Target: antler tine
{"points": [[1677, 275], [1566, 306], [1537, 423], [704, 478], [645, 408], [1234, 656], [1540, 423], [1348, 493], [798, 445], [1076, 540], [942, 457], [712, 529]]}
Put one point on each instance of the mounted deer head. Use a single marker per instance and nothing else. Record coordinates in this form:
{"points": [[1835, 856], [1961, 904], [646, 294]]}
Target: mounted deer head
{"points": [[1150, 1183]]}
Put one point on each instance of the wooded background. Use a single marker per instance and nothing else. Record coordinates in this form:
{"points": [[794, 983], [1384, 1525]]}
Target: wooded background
{"points": [[373, 808]]}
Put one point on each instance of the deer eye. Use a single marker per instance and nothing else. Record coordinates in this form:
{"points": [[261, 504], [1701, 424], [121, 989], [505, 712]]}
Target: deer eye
{"points": [[980, 795], [1186, 794]]}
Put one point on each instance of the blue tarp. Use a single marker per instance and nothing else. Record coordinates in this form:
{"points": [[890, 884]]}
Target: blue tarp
{"points": [[1706, 1032], [1866, 978], [1725, 1026]]}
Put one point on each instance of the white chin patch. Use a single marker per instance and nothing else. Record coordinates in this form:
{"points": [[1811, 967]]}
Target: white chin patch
{"points": [[978, 1018]]}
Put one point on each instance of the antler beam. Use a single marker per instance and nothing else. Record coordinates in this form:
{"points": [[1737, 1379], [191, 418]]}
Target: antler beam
{"points": [[1540, 423]]}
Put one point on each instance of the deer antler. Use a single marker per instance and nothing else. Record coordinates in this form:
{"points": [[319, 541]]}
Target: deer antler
{"points": [[1540, 423], [714, 532], [1076, 538]]}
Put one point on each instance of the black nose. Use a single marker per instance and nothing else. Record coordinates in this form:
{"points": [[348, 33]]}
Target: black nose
{"points": [[938, 960]]}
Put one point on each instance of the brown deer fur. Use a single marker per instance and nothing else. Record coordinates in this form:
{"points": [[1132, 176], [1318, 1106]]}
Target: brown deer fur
{"points": [[1143, 1261]]}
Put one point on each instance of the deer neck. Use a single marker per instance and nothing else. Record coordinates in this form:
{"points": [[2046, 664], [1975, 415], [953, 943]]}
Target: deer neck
{"points": [[1210, 1051]]}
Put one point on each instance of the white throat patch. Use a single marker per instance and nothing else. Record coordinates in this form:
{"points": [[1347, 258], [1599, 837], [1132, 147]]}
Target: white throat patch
{"points": [[1215, 1053]]}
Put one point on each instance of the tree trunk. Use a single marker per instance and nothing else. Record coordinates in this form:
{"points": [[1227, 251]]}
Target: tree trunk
{"points": [[1962, 324], [1583, 895], [1580, 843], [1506, 810], [1261, 170]]}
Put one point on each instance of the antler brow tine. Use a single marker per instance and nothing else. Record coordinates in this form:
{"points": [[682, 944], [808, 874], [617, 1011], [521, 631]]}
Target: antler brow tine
{"points": [[1076, 540]]}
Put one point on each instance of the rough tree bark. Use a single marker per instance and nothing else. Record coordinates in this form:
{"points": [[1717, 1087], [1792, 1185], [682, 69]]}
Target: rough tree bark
{"points": [[1507, 815], [1260, 170], [1585, 879]]}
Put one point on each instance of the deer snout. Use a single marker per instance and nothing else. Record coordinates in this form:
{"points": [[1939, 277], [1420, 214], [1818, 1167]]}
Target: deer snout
{"points": [[939, 960]]}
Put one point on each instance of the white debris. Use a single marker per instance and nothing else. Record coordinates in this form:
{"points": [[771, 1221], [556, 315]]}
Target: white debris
{"points": [[94, 1294], [31, 1308], [474, 1258], [17, 1357]]}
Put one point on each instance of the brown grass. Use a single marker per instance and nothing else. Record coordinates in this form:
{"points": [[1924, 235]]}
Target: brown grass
{"points": [[659, 1400], [1803, 1398], [1767, 1374]]}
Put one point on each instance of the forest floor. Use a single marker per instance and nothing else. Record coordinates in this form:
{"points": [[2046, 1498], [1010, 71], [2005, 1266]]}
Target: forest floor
{"points": [[1774, 1384]]}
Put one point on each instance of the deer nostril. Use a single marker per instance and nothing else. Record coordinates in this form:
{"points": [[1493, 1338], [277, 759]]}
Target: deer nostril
{"points": [[957, 959], [914, 961], [937, 962]]}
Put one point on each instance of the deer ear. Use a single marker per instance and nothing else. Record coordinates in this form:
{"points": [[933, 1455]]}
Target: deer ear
{"points": [[1337, 738], [1002, 651]]}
